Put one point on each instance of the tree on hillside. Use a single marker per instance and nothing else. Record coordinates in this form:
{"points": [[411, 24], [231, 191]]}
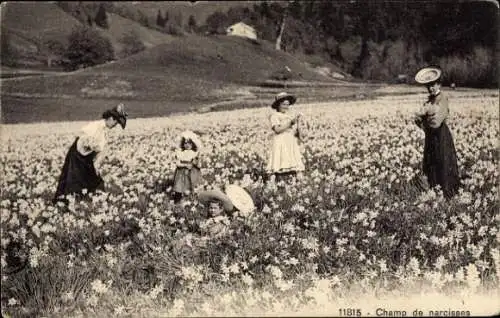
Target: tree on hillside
{"points": [[52, 50], [89, 20], [281, 28], [143, 18], [87, 47], [159, 19], [177, 18], [101, 18], [216, 22], [192, 24], [132, 43], [165, 18]]}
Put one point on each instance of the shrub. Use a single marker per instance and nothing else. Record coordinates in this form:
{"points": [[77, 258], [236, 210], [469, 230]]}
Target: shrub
{"points": [[132, 44], [87, 48], [173, 29]]}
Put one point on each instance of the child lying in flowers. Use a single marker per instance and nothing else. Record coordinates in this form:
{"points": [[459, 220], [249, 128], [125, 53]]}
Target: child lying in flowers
{"points": [[221, 206]]}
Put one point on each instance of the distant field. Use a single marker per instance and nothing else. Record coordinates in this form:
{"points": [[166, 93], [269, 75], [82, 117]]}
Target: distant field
{"points": [[45, 101], [29, 110]]}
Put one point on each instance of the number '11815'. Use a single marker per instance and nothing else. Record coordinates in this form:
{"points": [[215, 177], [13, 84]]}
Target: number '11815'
{"points": [[349, 312]]}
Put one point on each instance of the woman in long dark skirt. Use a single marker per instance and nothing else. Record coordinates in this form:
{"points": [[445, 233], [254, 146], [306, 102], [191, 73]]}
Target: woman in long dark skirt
{"points": [[440, 157], [81, 169]]}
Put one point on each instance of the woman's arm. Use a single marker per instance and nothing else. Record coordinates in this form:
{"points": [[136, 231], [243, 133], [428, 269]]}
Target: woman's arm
{"points": [[418, 117], [98, 161], [283, 126], [441, 113]]}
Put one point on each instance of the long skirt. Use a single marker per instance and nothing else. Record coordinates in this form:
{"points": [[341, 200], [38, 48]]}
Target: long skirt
{"points": [[186, 179], [78, 173], [440, 160], [285, 154]]}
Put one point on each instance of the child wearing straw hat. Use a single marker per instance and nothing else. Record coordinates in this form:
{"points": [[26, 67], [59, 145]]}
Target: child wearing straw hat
{"points": [[285, 156], [233, 201], [187, 175], [440, 157]]}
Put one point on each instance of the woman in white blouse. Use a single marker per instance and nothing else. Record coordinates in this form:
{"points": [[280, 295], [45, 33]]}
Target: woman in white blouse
{"points": [[285, 158], [82, 166]]}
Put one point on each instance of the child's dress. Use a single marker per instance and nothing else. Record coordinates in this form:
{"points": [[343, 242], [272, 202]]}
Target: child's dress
{"points": [[285, 153], [187, 175]]}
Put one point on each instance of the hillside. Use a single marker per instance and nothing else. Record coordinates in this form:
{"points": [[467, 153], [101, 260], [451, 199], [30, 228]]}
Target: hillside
{"points": [[221, 58], [30, 24], [188, 69], [119, 26], [187, 74]]}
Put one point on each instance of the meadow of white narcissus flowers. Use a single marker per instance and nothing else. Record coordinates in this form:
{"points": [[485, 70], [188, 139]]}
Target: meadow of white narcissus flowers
{"points": [[360, 221]]}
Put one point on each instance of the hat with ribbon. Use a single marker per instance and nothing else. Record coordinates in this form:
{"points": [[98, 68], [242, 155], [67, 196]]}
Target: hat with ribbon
{"points": [[428, 75], [281, 97], [118, 113]]}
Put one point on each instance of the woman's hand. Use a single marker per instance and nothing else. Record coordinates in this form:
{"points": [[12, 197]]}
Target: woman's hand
{"points": [[98, 170]]}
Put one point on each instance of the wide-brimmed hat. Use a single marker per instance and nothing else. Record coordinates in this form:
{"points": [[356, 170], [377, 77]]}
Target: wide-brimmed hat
{"points": [[428, 75], [190, 135], [119, 114], [281, 97], [216, 195], [240, 198], [235, 197]]}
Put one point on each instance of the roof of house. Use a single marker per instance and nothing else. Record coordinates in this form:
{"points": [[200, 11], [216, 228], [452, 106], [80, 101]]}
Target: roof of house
{"points": [[242, 23]]}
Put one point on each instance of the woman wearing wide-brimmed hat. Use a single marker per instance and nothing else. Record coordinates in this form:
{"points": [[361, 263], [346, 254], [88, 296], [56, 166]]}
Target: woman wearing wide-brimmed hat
{"points": [[187, 175], [440, 157], [82, 165], [285, 157]]}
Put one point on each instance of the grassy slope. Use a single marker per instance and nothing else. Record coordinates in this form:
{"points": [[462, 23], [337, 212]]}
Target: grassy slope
{"points": [[224, 58], [30, 23], [188, 69], [119, 26], [35, 21]]}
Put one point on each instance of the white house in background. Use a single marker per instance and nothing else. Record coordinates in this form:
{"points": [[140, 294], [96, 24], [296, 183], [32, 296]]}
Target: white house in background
{"points": [[242, 29]]}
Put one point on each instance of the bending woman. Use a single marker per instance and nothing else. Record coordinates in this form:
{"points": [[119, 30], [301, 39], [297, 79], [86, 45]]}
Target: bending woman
{"points": [[81, 169]]}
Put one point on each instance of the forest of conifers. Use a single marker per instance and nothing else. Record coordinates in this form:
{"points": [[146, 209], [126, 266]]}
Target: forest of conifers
{"points": [[381, 39]]}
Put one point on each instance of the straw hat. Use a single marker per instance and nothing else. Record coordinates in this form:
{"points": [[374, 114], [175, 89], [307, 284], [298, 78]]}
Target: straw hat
{"points": [[189, 135], [428, 75], [216, 195], [235, 198], [281, 97], [240, 198]]}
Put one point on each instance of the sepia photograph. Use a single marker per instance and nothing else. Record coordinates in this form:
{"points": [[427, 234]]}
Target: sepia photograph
{"points": [[293, 158]]}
